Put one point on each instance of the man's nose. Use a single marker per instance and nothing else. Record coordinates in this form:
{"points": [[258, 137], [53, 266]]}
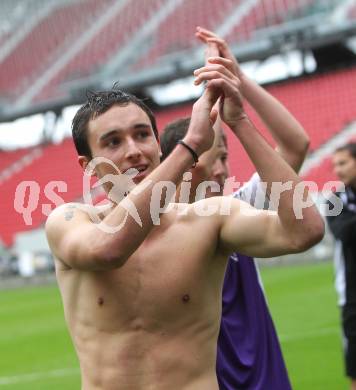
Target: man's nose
{"points": [[218, 169], [132, 149]]}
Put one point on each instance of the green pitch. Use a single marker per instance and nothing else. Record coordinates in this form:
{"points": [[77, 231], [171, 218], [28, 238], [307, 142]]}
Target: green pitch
{"points": [[36, 352]]}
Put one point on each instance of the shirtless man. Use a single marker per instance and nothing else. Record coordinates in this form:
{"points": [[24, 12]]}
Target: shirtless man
{"points": [[143, 303]]}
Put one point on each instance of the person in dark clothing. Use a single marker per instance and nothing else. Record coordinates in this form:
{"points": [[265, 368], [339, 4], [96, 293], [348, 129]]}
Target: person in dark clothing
{"points": [[343, 228]]}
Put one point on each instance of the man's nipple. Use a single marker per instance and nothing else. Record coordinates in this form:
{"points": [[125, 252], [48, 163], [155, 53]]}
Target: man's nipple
{"points": [[186, 298]]}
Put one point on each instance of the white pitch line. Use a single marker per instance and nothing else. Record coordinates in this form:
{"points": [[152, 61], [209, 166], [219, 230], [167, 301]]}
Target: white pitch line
{"points": [[23, 378], [310, 334]]}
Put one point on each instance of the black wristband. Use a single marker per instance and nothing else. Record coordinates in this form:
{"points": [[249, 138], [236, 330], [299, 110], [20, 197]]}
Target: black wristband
{"points": [[192, 152]]}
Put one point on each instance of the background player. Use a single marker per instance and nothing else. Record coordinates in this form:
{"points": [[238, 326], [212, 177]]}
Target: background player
{"points": [[249, 354], [343, 228]]}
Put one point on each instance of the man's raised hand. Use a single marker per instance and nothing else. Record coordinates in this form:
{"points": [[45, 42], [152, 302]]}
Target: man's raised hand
{"points": [[200, 134], [217, 46], [218, 73]]}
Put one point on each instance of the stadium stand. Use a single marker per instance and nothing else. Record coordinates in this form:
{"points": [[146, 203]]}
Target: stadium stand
{"points": [[267, 13], [322, 173], [9, 158], [15, 13], [49, 39], [319, 102], [77, 38], [168, 39], [53, 163], [116, 32]]}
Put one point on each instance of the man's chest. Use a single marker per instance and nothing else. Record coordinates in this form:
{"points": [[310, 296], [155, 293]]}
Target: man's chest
{"points": [[174, 270], [173, 276]]}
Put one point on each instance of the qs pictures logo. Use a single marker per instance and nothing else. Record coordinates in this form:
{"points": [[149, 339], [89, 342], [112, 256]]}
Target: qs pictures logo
{"points": [[118, 185]]}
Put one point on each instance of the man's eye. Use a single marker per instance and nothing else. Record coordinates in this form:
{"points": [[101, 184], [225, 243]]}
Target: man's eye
{"points": [[143, 134], [114, 142]]}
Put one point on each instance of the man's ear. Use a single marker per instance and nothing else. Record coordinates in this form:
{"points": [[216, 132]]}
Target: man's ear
{"points": [[83, 162]]}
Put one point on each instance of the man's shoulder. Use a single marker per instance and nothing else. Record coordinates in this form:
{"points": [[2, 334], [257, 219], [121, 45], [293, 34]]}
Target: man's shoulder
{"points": [[66, 215], [201, 211], [65, 208], [213, 206], [212, 212]]}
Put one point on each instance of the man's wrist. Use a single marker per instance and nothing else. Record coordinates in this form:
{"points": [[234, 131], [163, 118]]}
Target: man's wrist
{"points": [[243, 78], [194, 144], [191, 151], [242, 124]]}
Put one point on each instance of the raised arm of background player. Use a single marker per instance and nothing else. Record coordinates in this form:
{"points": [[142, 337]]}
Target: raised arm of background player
{"points": [[263, 234], [292, 140], [79, 243]]}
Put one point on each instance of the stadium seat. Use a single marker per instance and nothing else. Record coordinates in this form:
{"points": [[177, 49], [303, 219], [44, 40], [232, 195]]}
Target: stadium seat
{"points": [[176, 32], [10, 157], [105, 44], [49, 39], [267, 13], [56, 163]]}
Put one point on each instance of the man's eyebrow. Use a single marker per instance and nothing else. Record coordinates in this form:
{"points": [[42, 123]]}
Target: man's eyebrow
{"points": [[141, 126], [104, 136], [137, 126]]}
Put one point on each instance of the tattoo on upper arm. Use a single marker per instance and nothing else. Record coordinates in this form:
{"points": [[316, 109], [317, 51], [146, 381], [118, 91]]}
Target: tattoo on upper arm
{"points": [[69, 213]]}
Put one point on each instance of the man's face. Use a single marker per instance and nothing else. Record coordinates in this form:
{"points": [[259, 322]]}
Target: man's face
{"points": [[220, 170], [212, 166], [124, 135], [345, 167]]}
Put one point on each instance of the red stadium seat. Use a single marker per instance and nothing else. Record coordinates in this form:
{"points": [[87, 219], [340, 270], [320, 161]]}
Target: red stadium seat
{"points": [[48, 40]]}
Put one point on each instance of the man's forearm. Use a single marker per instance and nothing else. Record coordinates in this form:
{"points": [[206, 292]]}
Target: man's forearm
{"points": [[272, 168], [292, 141]]}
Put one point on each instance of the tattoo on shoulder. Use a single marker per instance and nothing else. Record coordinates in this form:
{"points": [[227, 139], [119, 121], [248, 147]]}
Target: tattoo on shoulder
{"points": [[69, 213]]}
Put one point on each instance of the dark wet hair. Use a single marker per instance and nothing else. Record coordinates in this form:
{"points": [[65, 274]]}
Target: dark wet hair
{"points": [[171, 134], [175, 131], [98, 103], [350, 147]]}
